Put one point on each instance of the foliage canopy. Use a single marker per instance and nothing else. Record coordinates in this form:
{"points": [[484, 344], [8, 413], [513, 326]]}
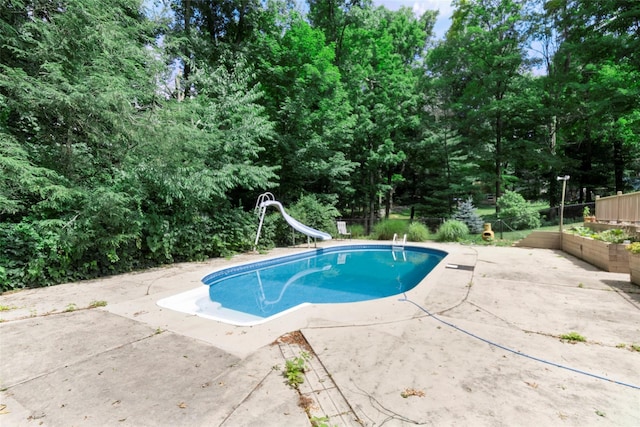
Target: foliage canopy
{"points": [[133, 134]]}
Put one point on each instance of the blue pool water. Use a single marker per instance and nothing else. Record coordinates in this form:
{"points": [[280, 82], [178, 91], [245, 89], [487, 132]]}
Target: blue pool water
{"points": [[331, 275]]}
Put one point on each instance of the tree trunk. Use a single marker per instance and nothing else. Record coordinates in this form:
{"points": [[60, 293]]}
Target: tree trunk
{"points": [[498, 159], [618, 163], [553, 182], [372, 203], [187, 65], [387, 202]]}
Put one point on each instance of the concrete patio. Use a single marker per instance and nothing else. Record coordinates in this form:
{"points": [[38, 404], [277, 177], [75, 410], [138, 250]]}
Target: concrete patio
{"points": [[476, 343]]}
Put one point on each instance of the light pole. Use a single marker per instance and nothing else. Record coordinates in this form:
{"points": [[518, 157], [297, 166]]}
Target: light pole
{"points": [[564, 180]]}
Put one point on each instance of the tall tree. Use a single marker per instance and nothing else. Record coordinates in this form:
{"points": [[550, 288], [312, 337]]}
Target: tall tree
{"points": [[305, 96], [74, 75], [75, 80], [381, 74], [599, 89], [333, 17], [208, 31], [484, 52]]}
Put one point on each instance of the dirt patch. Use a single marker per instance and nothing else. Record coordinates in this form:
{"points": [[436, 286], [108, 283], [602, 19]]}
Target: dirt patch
{"points": [[296, 338]]}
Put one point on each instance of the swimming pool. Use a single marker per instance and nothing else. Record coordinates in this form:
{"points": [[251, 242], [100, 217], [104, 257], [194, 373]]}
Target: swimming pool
{"points": [[256, 292]]}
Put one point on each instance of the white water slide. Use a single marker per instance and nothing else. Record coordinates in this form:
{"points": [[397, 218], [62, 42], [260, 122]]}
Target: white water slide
{"points": [[267, 199]]}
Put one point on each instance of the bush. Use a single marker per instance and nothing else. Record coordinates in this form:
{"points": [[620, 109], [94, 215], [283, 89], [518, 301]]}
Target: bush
{"points": [[385, 229], [417, 232], [33, 254], [357, 231], [467, 213], [452, 231], [519, 213], [634, 248]]}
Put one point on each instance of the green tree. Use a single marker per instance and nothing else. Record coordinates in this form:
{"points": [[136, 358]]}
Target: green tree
{"points": [[481, 58], [519, 213], [75, 79], [203, 32], [381, 72], [597, 90], [305, 97], [203, 150]]}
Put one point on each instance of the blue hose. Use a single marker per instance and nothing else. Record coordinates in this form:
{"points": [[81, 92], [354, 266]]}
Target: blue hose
{"points": [[517, 352]]}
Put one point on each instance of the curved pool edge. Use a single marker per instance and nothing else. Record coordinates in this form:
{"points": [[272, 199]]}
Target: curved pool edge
{"points": [[247, 266], [196, 302]]}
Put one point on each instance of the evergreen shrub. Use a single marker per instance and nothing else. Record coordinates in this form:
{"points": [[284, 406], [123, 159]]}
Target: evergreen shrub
{"points": [[466, 213]]}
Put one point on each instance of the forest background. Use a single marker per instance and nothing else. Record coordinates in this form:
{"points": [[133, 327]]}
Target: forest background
{"points": [[134, 135]]}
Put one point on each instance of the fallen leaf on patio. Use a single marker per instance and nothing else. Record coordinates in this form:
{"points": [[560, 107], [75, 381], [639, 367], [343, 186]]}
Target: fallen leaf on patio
{"points": [[412, 392]]}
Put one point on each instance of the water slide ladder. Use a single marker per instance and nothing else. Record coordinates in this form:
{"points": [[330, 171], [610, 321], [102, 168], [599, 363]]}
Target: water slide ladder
{"points": [[267, 199], [261, 209]]}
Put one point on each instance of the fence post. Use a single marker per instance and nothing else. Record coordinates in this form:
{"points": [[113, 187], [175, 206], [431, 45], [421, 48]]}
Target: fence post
{"points": [[618, 194]]}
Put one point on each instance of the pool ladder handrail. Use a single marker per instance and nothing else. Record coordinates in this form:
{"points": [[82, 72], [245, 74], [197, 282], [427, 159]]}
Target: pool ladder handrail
{"points": [[396, 243], [396, 246]]}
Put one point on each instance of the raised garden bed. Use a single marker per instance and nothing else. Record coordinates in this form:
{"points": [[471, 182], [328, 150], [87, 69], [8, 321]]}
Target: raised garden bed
{"points": [[607, 256], [634, 262], [634, 268]]}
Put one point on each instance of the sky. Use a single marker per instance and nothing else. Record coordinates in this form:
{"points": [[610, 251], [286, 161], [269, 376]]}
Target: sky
{"points": [[419, 6]]}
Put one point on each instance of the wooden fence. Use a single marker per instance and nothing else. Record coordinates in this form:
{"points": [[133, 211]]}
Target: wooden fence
{"points": [[619, 209]]}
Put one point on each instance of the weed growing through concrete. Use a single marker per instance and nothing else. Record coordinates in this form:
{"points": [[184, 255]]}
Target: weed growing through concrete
{"points": [[320, 421], [573, 337], [94, 304], [71, 307], [7, 307], [635, 347], [294, 369]]}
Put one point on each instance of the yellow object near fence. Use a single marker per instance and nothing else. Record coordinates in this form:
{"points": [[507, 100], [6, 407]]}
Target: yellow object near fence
{"points": [[487, 234]]}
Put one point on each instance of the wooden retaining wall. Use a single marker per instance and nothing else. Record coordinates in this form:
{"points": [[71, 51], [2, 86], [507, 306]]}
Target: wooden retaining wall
{"points": [[542, 240], [606, 256], [634, 267]]}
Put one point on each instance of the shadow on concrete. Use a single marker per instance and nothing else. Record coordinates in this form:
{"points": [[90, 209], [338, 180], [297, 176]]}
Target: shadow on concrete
{"points": [[577, 261], [628, 290]]}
